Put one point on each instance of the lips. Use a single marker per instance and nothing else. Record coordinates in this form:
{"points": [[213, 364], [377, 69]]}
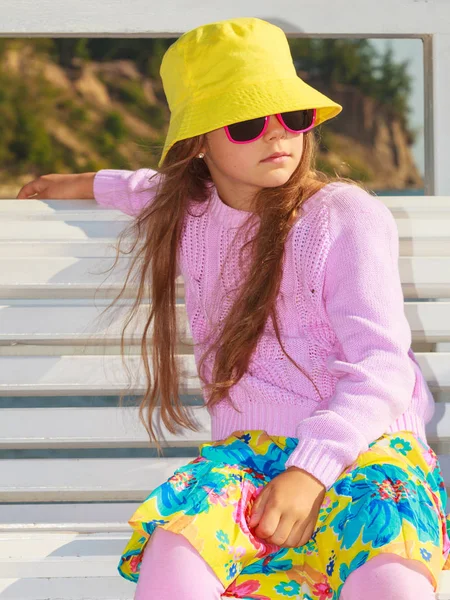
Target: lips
{"points": [[276, 154]]}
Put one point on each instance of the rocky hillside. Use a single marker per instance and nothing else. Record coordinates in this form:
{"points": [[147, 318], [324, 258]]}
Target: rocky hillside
{"points": [[97, 115]]}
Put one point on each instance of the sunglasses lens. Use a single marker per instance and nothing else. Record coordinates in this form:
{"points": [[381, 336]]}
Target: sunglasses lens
{"points": [[246, 130], [298, 119]]}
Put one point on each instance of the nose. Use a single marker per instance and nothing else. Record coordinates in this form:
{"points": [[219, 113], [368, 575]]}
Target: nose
{"points": [[275, 128]]}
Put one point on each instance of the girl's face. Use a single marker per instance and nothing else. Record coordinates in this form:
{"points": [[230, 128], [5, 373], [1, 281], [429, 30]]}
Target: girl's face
{"points": [[237, 169]]}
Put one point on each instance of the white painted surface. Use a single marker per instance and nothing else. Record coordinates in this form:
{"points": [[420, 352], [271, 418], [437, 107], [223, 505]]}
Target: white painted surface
{"points": [[138, 17], [52, 344], [429, 19]]}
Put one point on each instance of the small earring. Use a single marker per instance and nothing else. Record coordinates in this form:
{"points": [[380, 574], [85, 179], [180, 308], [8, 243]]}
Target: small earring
{"points": [[201, 155]]}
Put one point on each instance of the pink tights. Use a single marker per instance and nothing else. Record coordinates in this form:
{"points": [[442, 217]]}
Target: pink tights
{"points": [[171, 568]]}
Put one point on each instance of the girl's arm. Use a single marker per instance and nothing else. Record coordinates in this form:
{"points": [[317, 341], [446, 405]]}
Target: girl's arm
{"points": [[364, 304], [127, 191]]}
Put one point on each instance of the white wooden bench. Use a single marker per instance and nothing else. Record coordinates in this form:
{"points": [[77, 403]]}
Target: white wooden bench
{"points": [[74, 465]]}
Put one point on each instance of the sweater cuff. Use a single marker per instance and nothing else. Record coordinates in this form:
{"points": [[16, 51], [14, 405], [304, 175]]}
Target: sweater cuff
{"points": [[104, 186], [311, 456]]}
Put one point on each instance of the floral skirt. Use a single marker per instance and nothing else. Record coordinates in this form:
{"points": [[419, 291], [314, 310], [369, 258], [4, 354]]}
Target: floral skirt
{"points": [[391, 499]]}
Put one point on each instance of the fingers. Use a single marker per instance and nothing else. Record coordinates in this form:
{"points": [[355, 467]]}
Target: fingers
{"points": [[32, 188], [300, 534], [284, 531], [259, 507], [268, 524]]}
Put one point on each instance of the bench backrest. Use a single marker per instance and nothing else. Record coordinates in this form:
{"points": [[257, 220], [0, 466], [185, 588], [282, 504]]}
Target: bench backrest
{"points": [[63, 437]]}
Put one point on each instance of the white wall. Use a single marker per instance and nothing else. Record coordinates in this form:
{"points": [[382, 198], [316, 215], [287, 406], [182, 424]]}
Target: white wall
{"points": [[429, 19]]}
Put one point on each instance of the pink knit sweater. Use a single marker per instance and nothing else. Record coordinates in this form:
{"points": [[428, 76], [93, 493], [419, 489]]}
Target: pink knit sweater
{"points": [[341, 316]]}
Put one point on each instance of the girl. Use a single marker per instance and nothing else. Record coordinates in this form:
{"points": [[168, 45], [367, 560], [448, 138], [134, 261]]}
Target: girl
{"points": [[319, 482]]}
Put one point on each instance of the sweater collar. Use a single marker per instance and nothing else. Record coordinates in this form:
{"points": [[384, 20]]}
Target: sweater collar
{"points": [[229, 217], [226, 215]]}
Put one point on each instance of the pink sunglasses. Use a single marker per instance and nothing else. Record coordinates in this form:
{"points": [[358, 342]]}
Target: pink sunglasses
{"points": [[296, 121]]}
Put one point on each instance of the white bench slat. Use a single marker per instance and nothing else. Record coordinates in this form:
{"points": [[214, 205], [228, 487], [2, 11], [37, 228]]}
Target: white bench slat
{"points": [[73, 210], [104, 247], [79, 321], [83, 479], [401, 206], [89, 427], [94, 479], [28, 277], [67, 277], [38, 230], [70, 227], [117, 427], [82, 375], [48, 560], [411, 205], [67, 588], [68, 554], [62, 375], [81, 517]]}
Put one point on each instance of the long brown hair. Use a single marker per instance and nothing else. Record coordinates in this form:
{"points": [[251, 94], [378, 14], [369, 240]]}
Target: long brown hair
{"points": [[157, 231]]}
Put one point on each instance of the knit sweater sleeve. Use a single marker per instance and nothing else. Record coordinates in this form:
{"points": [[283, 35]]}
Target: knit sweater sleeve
{"points": [[363, 301], [127, 191]]}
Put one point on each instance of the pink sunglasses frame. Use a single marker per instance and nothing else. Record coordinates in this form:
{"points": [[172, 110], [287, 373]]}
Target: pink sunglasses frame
{"points": [[266, 124]]}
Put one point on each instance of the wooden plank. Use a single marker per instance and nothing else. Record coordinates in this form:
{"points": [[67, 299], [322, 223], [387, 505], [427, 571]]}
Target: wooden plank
{"points": [[80, 321], [40, 555], [67, 588], [83, 479], [106, 247], [67, 277], [91, 479], [87, 375], [68, 230], [48, 559], [73, 210], [61, 226], [115, 427], [90, 210], [81, 517], [83, 375], [55, 276], [89, 427]]}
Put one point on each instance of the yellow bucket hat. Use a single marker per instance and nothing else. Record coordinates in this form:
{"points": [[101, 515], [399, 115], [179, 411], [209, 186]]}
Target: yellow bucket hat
{"points": [[230, 71]]}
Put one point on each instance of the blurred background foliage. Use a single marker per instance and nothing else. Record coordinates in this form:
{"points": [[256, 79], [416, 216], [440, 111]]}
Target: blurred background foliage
{"points": [[111, 137]]}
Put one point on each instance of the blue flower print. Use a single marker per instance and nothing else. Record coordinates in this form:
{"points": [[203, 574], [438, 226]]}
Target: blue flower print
{"points": [[290, 588], [330, 564], [402, 446], [272, 563], [425, 554], [245, 438], [189, 488], [240, 453], [150, 526], [223, 538], [233, 571], [382, 496], [358, 561]]}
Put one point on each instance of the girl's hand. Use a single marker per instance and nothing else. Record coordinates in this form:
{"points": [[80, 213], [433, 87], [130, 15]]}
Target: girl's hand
{"points": [[285, 513], [54, 187]]}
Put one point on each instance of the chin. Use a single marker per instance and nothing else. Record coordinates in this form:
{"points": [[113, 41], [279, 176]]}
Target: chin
{"points": [[276, 179]]}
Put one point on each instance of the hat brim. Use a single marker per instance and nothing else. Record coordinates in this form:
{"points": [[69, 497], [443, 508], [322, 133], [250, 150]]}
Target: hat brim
{"points": [[255, 100]]}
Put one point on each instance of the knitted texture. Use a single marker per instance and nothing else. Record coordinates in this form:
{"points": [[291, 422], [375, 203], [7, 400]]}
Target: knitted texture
{"points": [[341, 318]]}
